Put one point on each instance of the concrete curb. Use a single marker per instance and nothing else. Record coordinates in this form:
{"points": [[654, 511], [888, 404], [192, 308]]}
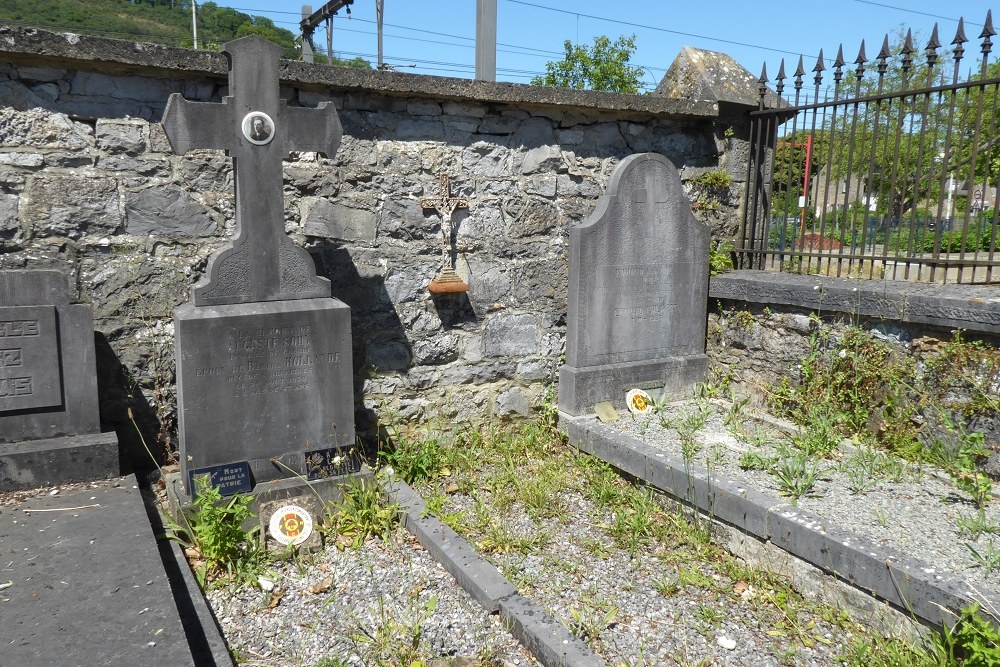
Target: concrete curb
{"points": [[208, 644], [541, 634], [908, 584]]}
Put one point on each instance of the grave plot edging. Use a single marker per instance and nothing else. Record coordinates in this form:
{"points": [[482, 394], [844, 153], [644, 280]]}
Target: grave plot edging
{"points": [[906, 584], [547, 639]]}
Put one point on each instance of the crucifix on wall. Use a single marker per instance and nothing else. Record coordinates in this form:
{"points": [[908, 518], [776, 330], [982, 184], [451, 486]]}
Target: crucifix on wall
{"points": [[446, 281]]}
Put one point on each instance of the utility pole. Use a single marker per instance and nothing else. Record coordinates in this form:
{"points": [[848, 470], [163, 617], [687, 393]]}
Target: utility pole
{"points": [[307, 47], [486, 40], [194, 22], [379, 12], [324, 13]]}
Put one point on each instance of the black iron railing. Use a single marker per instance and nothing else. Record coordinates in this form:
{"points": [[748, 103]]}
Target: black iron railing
{"points": [[892, 169]]}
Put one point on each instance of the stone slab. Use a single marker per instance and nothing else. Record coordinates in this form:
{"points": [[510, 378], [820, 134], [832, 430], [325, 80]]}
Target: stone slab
{"points": [[205, 639], [263, 381], [477, 576], [547, 639], [638, 289], [68, 379], [75, 458], [88, 587], [725, 500], [29, 358], [907, 584], [969, 307]]}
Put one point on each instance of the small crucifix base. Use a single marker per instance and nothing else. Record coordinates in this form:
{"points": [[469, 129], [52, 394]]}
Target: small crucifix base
{"points": [[447, 282]]}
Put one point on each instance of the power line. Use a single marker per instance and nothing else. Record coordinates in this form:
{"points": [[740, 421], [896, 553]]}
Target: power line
{"points": [[914, 11], [655, 28]]}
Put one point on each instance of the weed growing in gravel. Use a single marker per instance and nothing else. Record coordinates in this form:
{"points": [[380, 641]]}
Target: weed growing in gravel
{"points": [[592, 617], [666, 585], [501, 539], [362, 511], [417, 459], [974, 525], [972, 640], [694, 577], [796, 472], [215, 541], [793, 469], [866, 466], [987, 557], [393, 637]]}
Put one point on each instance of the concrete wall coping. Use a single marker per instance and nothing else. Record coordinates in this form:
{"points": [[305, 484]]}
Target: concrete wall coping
{"points": [[971, 307], [34, 46]]}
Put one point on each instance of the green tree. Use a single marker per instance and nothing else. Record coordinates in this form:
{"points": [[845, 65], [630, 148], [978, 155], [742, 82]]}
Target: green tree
{"points": [[603, 66]]}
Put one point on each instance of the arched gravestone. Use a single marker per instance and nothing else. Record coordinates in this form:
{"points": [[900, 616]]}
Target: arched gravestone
{"points": [[638, 290]]}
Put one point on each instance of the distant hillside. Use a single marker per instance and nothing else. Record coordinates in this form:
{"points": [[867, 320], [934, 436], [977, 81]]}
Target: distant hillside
{"points": [[158, 21]]}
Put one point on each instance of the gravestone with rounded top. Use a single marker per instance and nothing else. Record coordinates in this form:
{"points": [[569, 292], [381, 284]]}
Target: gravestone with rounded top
{"points": [[264, 371], [50, 429], [638, 290]]}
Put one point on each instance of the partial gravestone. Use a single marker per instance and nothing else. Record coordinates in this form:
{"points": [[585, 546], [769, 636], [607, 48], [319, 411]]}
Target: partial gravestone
{"points": [[638, 291], [50, 431], [264, 371]]}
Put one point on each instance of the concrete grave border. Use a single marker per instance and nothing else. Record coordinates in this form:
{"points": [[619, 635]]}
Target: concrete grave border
{"points": [[541, 634], [908, 585]]}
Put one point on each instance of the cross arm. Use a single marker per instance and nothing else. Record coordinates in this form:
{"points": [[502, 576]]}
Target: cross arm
{"points": [[190, 125], [313, 130]]}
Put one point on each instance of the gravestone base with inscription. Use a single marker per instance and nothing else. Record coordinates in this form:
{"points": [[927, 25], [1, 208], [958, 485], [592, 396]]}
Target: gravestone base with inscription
{"points": [[329, 490], [266, 385], [580, 389], [49, 422], [638, 291]]}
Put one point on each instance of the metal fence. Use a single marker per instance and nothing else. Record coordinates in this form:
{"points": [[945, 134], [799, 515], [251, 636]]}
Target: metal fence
{"points": [[891, 169]]}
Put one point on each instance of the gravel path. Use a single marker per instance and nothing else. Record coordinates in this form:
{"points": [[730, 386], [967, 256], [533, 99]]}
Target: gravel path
{"points": [[365, 606], [918, 514]]}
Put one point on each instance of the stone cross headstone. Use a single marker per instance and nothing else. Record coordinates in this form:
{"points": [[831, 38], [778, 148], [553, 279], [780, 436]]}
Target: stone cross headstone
{"points": [[50, 429], [264, 370], [638, 290]]}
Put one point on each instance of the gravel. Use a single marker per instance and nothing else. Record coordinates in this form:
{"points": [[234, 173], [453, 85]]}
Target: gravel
{"points": [[662, 605], [918, 515], [640, 610], [327, 603]]}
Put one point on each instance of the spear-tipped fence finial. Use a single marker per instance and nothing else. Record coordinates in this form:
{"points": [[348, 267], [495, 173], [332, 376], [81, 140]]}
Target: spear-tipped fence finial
{"points": [[799, 73], [932, 46], [861, 60], [987, 33]]}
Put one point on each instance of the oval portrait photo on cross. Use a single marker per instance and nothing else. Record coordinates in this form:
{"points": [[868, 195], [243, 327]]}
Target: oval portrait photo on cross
{"points": [[258, 128]]}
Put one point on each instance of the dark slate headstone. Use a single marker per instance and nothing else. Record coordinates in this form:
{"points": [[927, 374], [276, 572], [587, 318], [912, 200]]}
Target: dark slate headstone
{"points": [[49, 420], [264, 370], [638, 290]]}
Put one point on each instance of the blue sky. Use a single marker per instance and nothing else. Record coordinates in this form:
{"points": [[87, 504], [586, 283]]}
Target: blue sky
{"points": [[437, 36]]}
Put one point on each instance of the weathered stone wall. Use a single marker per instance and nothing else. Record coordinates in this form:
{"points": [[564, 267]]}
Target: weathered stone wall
{"points": [[88, 185]]}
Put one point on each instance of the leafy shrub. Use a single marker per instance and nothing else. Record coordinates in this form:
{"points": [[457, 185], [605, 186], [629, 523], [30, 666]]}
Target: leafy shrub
{"points": [[215, 540]]}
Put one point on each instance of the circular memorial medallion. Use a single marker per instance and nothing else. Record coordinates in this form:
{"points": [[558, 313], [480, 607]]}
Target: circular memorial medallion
{"points": [[258, 128], [638, 401], [291, 525]]}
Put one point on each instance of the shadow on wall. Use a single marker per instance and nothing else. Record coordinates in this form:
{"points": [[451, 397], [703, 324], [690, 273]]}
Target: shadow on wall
{"points": [[117, 393], [379, 342]]}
